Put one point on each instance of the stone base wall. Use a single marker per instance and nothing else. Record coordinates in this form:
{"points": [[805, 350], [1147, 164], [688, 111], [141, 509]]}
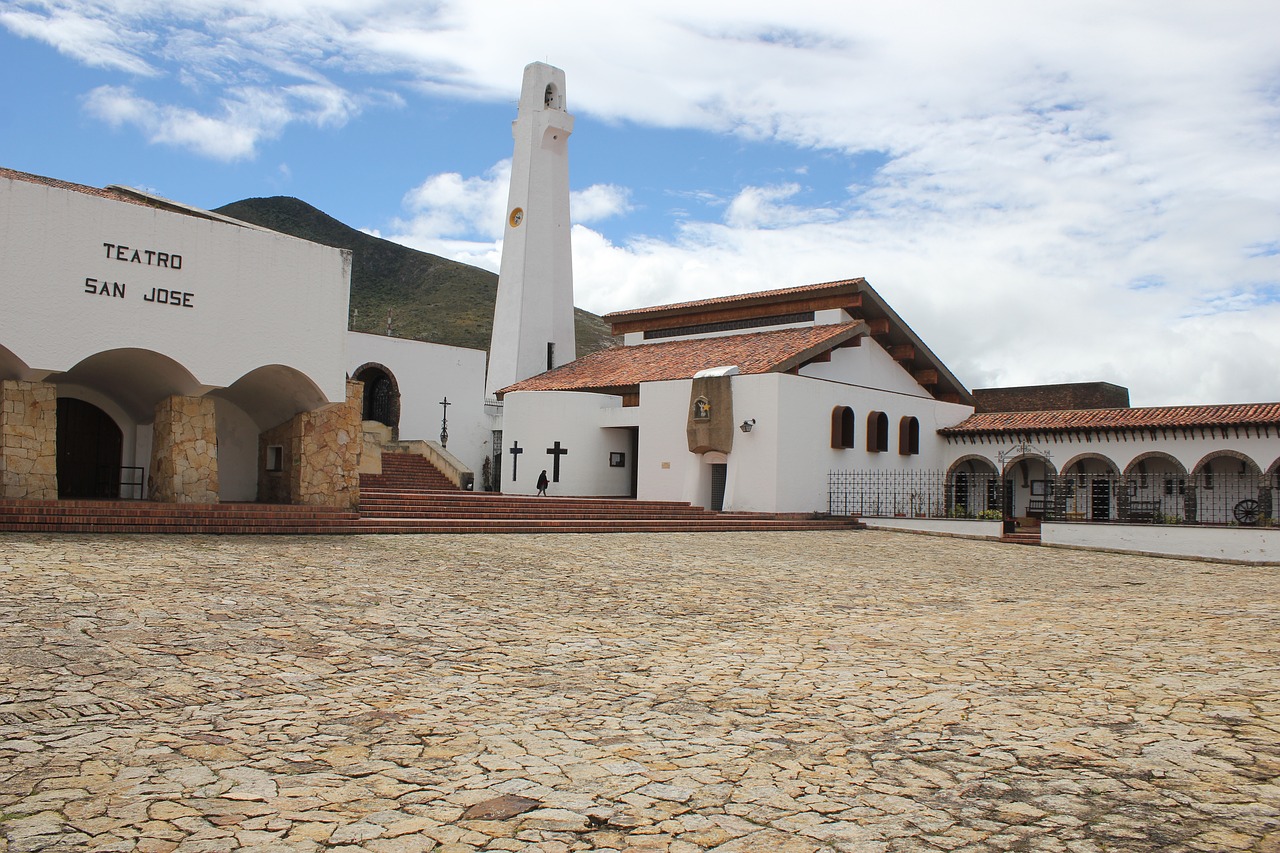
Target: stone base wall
{"points": [[28, 440], [320, 464], [184, 451]]}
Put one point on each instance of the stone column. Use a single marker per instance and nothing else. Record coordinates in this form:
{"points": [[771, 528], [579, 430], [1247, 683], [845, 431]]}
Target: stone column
{"points": [[321, 458], [28, 440], [184, 451]]}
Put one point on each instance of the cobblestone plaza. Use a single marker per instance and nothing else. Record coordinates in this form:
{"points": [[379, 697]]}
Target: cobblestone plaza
{"points": [[864, 691]]}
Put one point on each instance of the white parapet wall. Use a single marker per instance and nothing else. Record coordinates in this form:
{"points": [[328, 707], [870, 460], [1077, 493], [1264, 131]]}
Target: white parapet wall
{"points": [[1260, 545]]}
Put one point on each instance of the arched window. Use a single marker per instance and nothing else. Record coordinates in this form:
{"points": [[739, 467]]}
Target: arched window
{"points": [[877, 432], [909, 436], [841, 427]]}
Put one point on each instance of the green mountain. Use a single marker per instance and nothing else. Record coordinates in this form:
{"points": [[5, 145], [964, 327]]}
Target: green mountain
{"points": [[428, 298]]}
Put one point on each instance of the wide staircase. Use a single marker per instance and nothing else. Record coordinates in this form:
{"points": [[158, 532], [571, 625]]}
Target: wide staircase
{"points": [[406, 471], [410, 496]]}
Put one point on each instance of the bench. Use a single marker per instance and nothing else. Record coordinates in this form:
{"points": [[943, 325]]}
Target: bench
{"points": [[1143, 512]]}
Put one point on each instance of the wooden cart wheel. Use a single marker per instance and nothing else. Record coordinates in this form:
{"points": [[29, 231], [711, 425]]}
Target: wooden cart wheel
{"points": [[1248, 511]]}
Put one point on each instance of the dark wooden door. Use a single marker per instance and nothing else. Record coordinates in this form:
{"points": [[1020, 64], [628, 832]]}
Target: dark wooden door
{"points": [[89, 451], [1100, 500], [719, 474]]}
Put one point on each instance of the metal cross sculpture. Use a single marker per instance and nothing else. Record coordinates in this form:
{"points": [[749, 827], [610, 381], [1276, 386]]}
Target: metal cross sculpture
{"points": [[444, 423], [515, 450], [555, 453]]}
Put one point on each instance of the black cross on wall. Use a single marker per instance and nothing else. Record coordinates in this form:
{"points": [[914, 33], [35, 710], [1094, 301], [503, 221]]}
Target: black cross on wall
{"points": [[515, 452], [555, 453]]}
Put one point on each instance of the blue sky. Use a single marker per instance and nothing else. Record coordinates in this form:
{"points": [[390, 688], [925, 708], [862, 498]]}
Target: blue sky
{"points": [[1048, 192]]}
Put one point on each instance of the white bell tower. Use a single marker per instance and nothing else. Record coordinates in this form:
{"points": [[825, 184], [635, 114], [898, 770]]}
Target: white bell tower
{"points": [[533, 318]]}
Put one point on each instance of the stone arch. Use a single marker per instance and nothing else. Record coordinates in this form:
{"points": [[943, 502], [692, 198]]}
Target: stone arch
{"points": [[1111, 466], [1015, 464], [1092, 495], [1224, 481], [1250, 466], [973, 460], [381, 394], [973, 486], [1158, 488], [1138, 465]]}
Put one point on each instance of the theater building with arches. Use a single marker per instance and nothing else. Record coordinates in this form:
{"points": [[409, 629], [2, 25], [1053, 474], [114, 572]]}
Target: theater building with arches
{"points": [[151, 350]]}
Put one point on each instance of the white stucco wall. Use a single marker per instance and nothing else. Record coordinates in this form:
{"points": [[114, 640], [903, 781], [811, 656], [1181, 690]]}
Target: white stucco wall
{"points": [[589, 426], [237, 452], [427, 373], [867, 365], [804, 456], [1255, 545], [252, 297]]}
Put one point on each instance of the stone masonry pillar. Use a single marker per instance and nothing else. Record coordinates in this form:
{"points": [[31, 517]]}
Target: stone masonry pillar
{"points": [[321, 456], [28, 440], [184, 451]]}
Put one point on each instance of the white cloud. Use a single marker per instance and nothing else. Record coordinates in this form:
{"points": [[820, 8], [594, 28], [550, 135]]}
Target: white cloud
{"points": [[92, 41], [763, 207], [448, 205], [599, 201], [248, 116]]}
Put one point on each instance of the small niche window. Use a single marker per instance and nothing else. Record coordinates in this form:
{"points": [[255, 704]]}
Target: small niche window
{"points": [[909, 436], [841, 427], [275, 457], [877, 432], [701, 409]]}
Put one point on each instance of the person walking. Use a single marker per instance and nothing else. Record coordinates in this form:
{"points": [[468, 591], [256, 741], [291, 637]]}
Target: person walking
{"points": [[543, 482]]}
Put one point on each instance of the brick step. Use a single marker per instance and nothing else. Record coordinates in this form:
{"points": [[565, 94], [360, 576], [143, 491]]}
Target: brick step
{"points": [[489, 511], [97, 516], [484, 499], [1021, 538], [145, 509], [626, 525], [171, 526], [515, 513]]}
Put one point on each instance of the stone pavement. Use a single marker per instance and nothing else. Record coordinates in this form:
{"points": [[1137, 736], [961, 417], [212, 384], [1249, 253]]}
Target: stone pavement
{"points": [[870, 691]]}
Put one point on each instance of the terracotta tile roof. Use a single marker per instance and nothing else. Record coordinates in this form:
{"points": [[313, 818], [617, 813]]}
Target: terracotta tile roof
{"points": [[114, 195], [625, 367], [1166, 417], [780, 294]]}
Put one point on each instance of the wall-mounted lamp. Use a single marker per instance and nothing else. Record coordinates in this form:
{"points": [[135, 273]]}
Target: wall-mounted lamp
{"points": [[747, 426]]}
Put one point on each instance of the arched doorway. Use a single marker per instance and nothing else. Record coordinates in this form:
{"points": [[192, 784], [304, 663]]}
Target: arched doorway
{"points": [[90, 446], [1091, 486], [973, 487], [381, 395]]}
